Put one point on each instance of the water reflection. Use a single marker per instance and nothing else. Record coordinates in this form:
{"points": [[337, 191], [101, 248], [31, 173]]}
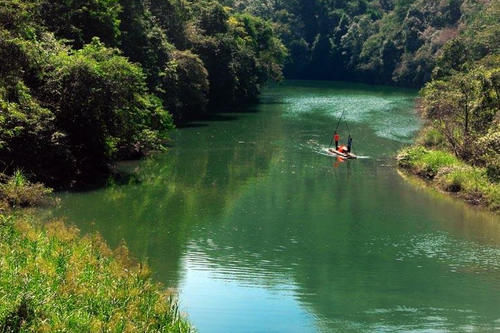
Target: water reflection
{"points": [[261, 233]]}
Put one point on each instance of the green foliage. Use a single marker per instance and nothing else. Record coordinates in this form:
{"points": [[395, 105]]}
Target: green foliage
{"points": [[144, 41], [81, 20], [84, 83], [431, 137], [242, 55], [374, 40], [473, 183], [173, 19], [51, 279], [426, 162], [464, 105], [488, 152], [454, 58], [20, 17], [28, 133], [186, 85], [482, 34], [66, 114], [211, 17], [102, 101], [452, 175], [432, 161]]}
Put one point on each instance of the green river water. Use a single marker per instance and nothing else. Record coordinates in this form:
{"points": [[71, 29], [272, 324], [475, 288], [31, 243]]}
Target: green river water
{"points": [[259, 231]]}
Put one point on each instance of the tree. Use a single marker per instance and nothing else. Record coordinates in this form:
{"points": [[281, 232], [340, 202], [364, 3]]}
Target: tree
{"points": [[454, 57], [464, 105], [186, 86], [102, 104], [81, 20]]}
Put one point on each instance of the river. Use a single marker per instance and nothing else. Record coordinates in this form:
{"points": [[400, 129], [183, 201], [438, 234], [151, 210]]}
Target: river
{"points": [[259, 231]]}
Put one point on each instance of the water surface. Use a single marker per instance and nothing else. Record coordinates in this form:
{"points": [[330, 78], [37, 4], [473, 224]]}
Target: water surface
{"points": [[261, 232]]}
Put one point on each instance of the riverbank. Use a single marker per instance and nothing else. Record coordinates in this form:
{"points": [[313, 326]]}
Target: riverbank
{"points": [[53, 279], [443, 171]]}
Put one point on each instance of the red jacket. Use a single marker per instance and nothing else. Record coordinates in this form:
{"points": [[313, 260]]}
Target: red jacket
{"points": [[336, 137]]}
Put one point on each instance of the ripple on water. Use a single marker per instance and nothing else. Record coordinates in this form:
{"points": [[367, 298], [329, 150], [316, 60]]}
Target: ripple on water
{"points": [[402, 319], [387, 116], [459, 255], [223, 264]]}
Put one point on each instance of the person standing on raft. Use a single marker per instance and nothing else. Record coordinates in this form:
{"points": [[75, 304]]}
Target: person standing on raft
{"points": [[336, 137], [349, 143]]}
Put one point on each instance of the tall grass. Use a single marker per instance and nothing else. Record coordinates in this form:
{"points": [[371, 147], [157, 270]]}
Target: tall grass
{"points": [[426, 162], [51, 279]]}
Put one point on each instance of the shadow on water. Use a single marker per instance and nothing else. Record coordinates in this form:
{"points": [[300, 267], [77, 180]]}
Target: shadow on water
{"points": [[232, 113], [193, 124], [215, 117]]}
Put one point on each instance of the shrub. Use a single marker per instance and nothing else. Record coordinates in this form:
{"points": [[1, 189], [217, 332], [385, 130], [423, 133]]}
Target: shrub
{"points": [[487, 152], [431, 137], [493, 170], [450, 180], [408, 157], [433, 160], [17, 191]]}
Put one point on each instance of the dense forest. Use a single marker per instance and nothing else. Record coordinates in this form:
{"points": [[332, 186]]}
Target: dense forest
{"points": [[84, 83], [375, 41]]}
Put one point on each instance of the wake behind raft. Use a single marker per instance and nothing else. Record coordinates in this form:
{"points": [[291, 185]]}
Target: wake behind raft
{"points": [[342, 153]]}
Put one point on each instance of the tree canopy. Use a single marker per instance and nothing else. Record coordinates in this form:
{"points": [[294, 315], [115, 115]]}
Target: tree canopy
{"points": [[375, 41], [84, 83]]}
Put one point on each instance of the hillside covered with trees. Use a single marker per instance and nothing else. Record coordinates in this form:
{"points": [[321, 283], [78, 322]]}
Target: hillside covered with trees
{"points": [[374, 41], [83, 83]]}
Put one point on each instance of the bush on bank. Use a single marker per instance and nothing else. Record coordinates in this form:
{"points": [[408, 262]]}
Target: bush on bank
{"points": [[18, 191], [450, 174], [51, 279]]}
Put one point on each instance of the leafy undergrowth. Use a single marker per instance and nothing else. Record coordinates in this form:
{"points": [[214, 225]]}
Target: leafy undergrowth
{"points": [[452, 175], [51, 279]]}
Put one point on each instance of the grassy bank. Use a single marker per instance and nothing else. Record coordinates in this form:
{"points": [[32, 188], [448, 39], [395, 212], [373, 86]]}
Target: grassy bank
{"points": [[445, 171], [52, 279]]}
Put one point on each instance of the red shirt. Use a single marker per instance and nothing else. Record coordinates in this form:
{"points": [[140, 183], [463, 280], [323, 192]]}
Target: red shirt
{"points": [[336, 137]]}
